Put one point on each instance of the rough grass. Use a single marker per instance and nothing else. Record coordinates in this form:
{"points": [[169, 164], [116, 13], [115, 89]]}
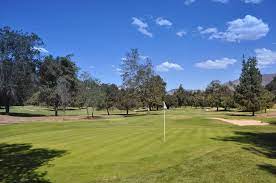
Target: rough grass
{"points": [[130, 149]]}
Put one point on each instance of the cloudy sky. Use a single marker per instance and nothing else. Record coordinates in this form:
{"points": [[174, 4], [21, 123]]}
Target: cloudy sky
{"points": [[190, 42]]}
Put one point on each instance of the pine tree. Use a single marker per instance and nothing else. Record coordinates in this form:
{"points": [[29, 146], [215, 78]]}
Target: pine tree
{"points": [[248, 92]]}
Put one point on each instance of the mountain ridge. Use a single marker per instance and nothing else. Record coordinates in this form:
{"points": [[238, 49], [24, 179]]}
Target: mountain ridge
{"points": [[266, 79]]}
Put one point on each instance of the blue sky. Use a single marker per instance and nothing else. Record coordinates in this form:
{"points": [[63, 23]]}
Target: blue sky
{"points": [[190, 42]]}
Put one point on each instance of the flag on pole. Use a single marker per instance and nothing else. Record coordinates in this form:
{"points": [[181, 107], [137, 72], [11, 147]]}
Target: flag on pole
{"points": [[164, 105]]}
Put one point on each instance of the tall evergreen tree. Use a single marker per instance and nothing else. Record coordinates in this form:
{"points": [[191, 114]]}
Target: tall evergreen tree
{"points": [[248, 92]]}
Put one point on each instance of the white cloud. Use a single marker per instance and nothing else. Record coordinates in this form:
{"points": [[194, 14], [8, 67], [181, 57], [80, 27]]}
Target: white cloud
{"points": [[248, 28], [199, 28], [40, 49], [92, 67], [221, 1], [163, 22], [181, 33], [211, 30], [265, 57], [188, 2], [252, 1], [167, 66], [142, 26], [216, 64]]}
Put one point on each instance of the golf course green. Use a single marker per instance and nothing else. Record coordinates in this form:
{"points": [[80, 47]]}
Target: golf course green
{"points": [[131, 149]]}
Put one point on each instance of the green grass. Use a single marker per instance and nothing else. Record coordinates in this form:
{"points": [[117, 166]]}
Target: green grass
{"points": [[130, 149], [44, 111]]}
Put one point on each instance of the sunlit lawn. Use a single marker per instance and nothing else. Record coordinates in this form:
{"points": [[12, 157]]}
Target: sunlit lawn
{"points": [[131, 149]]}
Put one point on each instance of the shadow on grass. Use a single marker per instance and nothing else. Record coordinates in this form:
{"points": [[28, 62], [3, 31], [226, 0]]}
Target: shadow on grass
{"points": [[18, 163], [239, 114], [262, 144], [269, 168], [22, 114], [135, 114]]}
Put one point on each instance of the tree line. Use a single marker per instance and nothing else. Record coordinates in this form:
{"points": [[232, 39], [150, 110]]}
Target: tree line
{"points": [[28, 76], [249, 95]]}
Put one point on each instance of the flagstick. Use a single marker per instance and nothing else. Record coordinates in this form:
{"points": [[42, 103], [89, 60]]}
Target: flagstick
{"points": [[164, 125]]}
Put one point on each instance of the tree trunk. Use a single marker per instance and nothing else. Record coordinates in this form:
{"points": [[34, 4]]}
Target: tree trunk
{"points": [[56, 108], [56, 111], [64, 109], [217, 109], [265, 110], [157, 107], [107, 110], [7, 108], [127, 111], [92, 114], [253, 113], [87, 112]]}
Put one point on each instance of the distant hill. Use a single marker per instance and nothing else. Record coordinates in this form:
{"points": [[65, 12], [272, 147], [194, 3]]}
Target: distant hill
{"points": [[267, 78], [171, 92]]}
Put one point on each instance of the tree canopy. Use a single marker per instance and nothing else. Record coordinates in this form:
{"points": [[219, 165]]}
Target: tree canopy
{"points": [[18, 65]]}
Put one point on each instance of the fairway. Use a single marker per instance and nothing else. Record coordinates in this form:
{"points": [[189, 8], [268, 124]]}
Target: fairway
{"points": [[131, 149]]}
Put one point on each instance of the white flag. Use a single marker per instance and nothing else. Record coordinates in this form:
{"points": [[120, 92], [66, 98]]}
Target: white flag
{"points": [[164, 105]]}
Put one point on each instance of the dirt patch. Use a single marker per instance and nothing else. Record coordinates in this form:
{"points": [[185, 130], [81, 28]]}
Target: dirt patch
{"points": [[268, 115], [5, 119], [243, 122]]}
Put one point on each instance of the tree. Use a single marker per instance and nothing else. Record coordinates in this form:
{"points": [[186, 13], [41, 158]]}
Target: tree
{"points": [[248, 92], [51, 71], [89, 93], [171, 101], [199, 99], [156, 88], [266, 100], [145, 84], [110, 96], [127, 100], [138, 74], [214, 92], [63, 92], [180, 95], [129, 69], [227, 97], [18, 66], [95, 96], [272, 87]]}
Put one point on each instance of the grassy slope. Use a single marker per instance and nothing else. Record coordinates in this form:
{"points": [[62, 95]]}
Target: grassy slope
{"points": [[131, 149]]}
